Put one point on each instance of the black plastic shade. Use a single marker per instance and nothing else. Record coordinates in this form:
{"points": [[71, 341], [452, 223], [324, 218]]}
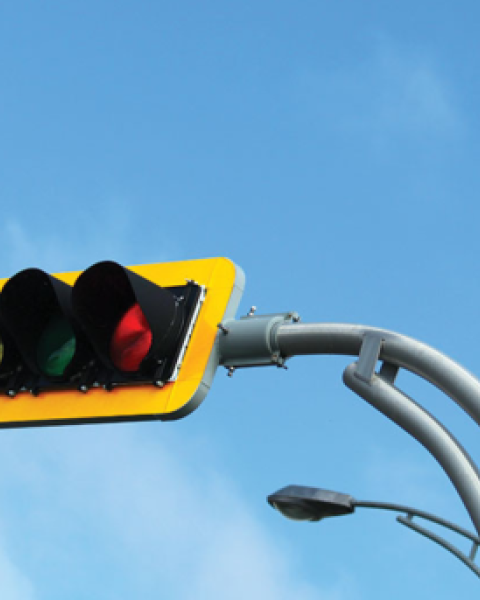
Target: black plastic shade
{"points": [[30, 301], [106, 291]]}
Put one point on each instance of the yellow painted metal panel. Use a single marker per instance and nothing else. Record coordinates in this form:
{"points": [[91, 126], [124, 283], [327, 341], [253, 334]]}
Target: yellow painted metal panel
{"points": [[218, 275]]}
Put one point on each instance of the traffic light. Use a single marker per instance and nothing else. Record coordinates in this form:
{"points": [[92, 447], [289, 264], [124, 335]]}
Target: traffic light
{"points": [[112, 343]]}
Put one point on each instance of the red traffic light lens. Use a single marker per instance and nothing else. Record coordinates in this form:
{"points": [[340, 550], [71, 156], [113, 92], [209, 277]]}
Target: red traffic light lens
{"points": [[131, 340]]}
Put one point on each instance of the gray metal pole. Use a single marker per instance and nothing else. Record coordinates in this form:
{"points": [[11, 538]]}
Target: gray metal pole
{"points": [[399, 350], [416, 421], [271, 339]]}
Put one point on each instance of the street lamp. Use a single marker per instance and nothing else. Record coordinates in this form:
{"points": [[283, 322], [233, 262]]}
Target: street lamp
{"points": [[302, 503]]}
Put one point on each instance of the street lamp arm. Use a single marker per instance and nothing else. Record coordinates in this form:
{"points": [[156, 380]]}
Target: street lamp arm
{"points": [[304, 503], [408, 522], [468, 561], [422, 514]]}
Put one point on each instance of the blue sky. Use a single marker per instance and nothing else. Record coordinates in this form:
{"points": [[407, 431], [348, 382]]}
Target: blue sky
{"points": [[329, 149]]}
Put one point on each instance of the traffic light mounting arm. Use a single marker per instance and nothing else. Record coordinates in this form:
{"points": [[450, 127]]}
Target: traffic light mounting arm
{"points": [[257, 340]]}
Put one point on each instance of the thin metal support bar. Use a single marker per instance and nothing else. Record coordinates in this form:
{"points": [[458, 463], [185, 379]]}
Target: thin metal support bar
{"points": [[473, 552]]}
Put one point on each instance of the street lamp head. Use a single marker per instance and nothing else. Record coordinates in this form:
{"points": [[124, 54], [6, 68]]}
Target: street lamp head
{"points": [[302, 503]]}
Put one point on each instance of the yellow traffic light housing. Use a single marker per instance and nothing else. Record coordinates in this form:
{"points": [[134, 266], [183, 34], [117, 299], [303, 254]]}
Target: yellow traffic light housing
{"points": [[139, 342]]}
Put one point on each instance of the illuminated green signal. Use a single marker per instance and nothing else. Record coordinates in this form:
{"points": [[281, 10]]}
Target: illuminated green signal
{"points": [[56, 347]]}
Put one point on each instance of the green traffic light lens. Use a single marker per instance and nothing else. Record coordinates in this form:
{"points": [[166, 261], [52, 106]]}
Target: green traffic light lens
{"points": [[56, 347]]}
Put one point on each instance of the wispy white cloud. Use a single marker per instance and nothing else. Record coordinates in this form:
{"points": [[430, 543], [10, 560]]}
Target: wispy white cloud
{"points": [[17, 242], [409, 93], [413, 479], [76, 238], [116, 497], [394, 91], [14, 584]]}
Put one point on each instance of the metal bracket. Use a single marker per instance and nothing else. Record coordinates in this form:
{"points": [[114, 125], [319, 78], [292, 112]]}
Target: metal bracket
{"points": [[369, 354], [389, 372], [251, 341]]}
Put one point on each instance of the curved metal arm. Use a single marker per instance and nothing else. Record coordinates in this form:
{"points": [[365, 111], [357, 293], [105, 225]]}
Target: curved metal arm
{"points": [[400, 350], [420, 424], [269, 339]]}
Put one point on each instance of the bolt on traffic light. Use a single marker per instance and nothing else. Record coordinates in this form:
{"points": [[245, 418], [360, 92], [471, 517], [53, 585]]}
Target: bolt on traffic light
{"points": [[112, 343]]}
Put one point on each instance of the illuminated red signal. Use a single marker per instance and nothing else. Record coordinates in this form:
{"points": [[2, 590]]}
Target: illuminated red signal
{"points": [[137, 328], [131, 340]]}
